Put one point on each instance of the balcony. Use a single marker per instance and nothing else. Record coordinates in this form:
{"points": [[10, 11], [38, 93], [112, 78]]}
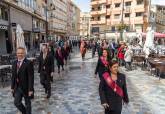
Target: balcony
{"points": [[117, 1], [139, 20], [98, 12], [139, 8], [109, 2], [97, 22], [96, 2], [109, 11]]}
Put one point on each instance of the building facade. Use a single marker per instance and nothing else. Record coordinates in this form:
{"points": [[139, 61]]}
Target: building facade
{"points": [[5, 41], [57, 18], [85, 24], [109, 14], [31, 15], [73, 24]]}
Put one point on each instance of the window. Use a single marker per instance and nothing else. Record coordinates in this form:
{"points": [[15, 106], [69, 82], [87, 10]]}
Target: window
{"points": [[139, 2], [108, 17], [3, 13], [138, 14], [128, 4], [127, 15], [108, 6], [98, 18], [117, 16], [117, 5]]}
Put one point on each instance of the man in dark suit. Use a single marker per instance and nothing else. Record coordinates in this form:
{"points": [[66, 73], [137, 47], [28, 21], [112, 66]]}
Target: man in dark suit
{"points": [[22, 81], [46, 69]]}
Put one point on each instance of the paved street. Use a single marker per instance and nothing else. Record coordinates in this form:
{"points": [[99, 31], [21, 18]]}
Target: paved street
{"points": [[75, 91]]}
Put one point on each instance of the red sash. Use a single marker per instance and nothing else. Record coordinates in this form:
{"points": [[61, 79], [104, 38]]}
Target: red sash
{"points": [[104, 61], [113, 85]]}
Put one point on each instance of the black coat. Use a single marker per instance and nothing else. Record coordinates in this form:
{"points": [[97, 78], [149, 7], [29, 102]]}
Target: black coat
{"points": [[60, 60], [46, 65], [100, 68], [25, 75], [107, 95]]}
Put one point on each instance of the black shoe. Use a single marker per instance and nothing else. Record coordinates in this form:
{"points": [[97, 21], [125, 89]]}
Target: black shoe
{"points": [[48, 96], [62, 69]]}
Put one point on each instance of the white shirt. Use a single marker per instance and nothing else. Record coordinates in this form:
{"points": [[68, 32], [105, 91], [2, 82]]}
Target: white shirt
{"points": [[21, 61]]}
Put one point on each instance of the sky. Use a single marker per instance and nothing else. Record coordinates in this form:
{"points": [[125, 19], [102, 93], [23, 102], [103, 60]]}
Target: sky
{"points": [[84, 5]]}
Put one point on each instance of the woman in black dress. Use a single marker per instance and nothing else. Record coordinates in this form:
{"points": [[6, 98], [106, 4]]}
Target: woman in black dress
{"points": [[60, 58], [102, 64], [113, 90]]}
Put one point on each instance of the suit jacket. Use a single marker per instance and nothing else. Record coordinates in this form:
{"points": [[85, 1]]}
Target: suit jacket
{"points": [[107, 95], [47, 64], [24, 78]]}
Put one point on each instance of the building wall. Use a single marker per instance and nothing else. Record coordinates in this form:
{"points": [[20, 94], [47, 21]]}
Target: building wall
{"points": [[85, 24], [2, 42], [58, 18], [21, 18], [107, 14]]}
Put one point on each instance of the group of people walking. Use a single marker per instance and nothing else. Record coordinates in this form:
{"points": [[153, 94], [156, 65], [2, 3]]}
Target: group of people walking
{"points": [[22, 84], [112, 86]]}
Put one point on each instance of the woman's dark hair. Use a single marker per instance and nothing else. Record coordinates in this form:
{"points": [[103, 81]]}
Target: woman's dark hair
{"points": [[108, 54], [113, 62]]}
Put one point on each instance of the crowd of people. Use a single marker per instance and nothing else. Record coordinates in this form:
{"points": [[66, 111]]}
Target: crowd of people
{"points": [[22, 84], [112, 86]]}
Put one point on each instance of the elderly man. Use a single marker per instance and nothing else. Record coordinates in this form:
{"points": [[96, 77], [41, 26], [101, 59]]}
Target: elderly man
{"points": [[22, 81]]}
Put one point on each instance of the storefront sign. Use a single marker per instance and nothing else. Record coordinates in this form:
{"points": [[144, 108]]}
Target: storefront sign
{"points": [[3, 27]]}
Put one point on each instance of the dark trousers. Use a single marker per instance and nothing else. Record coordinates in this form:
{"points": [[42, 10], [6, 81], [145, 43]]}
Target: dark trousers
{"points": [[18, 95], [108, 111], [128, 65], [45, 80]]}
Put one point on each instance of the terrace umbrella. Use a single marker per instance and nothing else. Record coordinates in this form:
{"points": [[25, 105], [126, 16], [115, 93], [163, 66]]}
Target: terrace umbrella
{"points": [[149, 43], [20, 38]]}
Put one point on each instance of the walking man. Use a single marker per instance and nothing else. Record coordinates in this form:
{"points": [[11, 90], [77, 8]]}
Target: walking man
{"points": [[22, 81], [46, 69]]}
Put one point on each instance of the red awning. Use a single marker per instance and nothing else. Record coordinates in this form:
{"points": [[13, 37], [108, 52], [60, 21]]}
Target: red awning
{"points": [[156, 35]]}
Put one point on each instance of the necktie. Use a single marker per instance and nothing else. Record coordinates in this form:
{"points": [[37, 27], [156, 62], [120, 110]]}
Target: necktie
{"points": [[18, 64]]}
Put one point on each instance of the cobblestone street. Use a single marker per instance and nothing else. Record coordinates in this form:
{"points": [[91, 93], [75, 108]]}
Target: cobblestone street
{"points": [[75, 91]]}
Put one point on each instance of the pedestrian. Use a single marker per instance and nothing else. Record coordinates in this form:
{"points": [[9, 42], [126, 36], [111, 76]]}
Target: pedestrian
{"points": [[128, 58], [22, 82], [46, 69], [113, 89], [102, 64], [60, 58], [93, 46], [83, 48], [120, 54], [66, 51]]}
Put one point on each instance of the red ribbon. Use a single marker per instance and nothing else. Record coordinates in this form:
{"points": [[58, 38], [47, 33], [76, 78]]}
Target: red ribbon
{"points": [[104, 61], [113, 85]]}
